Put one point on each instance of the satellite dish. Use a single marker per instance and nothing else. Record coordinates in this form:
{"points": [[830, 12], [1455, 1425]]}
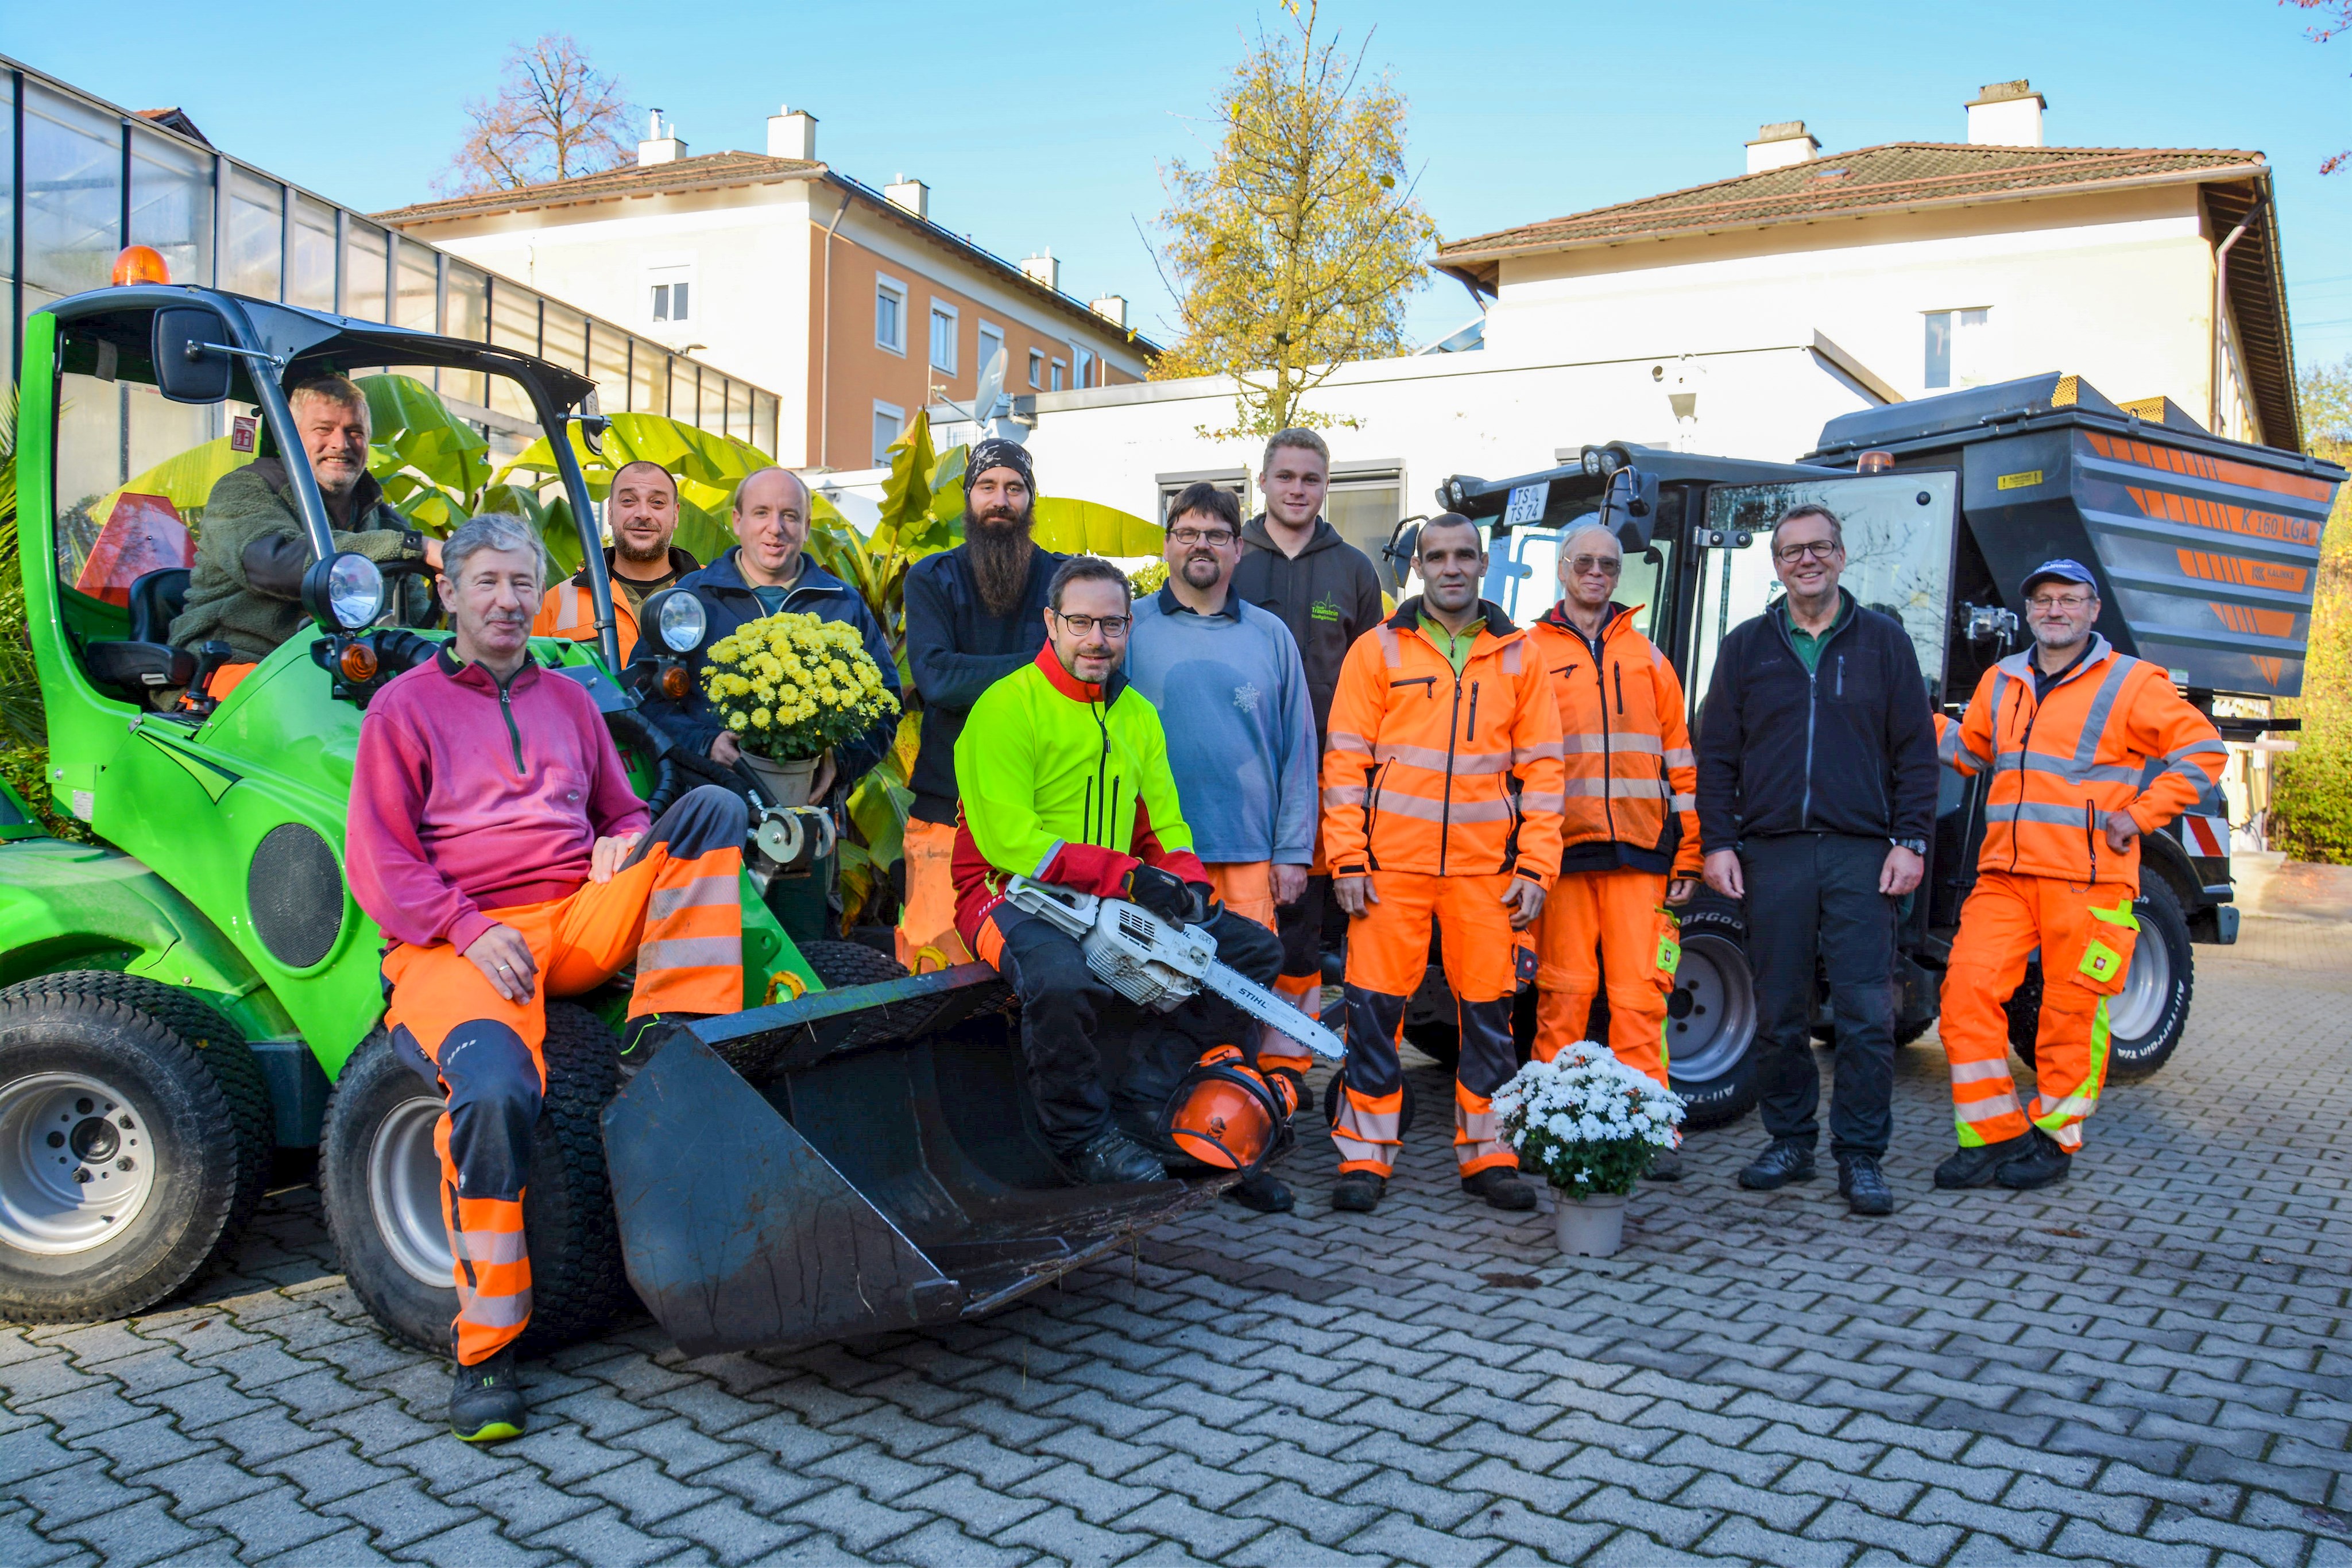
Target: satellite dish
{"points": [[992, 388]]}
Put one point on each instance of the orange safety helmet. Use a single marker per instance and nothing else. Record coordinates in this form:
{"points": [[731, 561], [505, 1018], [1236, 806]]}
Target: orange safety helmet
{"points": [[1226, 1113]]}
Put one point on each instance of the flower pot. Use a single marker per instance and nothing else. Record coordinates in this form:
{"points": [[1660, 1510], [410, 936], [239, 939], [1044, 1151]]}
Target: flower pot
{"points": [[1590, 1226], [784, 783]]}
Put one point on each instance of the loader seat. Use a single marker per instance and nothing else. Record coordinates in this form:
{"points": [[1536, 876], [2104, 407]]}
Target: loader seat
{"points": [[144, 663]]}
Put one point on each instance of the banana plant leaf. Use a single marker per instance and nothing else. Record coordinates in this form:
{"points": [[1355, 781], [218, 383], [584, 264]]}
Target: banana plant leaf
{"points": [[1090, 528], [414, 434]]}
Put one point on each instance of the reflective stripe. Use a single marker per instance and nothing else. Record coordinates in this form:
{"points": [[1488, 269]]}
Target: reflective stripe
{"points": [[1977, 1072], [1989, 1109], [1619, 789], [1523, 755], [1682, 802], [2197, 748], [1511, 658], [567, 612], [691, 953], [1542, 801], [2066, 816], [1681, 756], [489, 1246], [1344, 795], [2094, 722], [2066, 768], [493, 1312], [1342, 740], [1057, 847], [1391, 651], [1590, 744], [1464, 762], [703, 891], [1438, 810]]}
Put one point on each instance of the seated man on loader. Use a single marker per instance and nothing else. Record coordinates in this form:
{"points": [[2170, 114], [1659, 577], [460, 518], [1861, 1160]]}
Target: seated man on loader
{"points": [[1062, 770], [246, 588], [494, 837]]}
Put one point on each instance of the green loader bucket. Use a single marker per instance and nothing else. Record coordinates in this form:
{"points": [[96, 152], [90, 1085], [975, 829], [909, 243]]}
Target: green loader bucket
{"points": [[853, 1162]]}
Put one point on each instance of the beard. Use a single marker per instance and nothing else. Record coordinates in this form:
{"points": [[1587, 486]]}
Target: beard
{"points": [[999, 545], [651, 554]]}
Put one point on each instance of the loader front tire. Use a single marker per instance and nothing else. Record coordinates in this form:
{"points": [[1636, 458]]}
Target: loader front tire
{"points": [[119, 1160], [380, 1181]]}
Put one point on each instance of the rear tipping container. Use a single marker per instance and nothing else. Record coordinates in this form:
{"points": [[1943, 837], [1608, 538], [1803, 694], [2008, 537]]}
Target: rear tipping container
{"points": [[2207, 549]]}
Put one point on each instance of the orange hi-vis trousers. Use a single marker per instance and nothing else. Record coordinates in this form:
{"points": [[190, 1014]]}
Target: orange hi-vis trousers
{"points": [[1606, 928], [2086, 935], [675, 910], [1246, 887], [1388, 954], [926, 936]]}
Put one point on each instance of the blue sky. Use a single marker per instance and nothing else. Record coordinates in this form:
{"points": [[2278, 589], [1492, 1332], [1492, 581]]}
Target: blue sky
{"points": [[1044, 124]]}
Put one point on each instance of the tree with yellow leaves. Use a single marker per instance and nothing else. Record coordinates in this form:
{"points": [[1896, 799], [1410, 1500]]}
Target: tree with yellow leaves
{"points": [[1293, 249]]}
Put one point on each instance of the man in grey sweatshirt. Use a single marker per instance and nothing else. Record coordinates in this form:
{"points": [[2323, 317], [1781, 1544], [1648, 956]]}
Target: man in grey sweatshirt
{"points": [[1233, 698]]}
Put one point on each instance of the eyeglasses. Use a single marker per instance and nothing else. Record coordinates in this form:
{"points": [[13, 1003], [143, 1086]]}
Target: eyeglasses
{"points": [[1820, 549], [2059, 601], [1216, 539], [1606, 565], [1113, 626]]}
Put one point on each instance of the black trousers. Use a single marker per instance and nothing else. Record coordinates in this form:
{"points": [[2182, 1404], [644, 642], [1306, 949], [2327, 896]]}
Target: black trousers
{"points": [[1063, 1005], [1814, 901], [1301, 927]]}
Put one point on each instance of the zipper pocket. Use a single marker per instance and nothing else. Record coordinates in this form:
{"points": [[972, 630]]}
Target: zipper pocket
{"points": [[1429, 681], [1372, 804], [1470, 724], [1619, 671], [1840, 679]]}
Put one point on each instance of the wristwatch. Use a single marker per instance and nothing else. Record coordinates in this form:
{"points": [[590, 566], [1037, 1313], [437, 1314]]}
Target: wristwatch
{"points": [[1917, 846]]}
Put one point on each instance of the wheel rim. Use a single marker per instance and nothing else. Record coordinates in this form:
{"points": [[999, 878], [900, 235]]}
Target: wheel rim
{"points": [[76, 1163], [404, 1177], [2133, 1012], [1711, 1014]]}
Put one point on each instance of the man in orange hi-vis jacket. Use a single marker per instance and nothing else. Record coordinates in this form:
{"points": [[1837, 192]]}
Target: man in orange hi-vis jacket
{"points": [[2069, 728], [1441, 801], [1630, 825]]}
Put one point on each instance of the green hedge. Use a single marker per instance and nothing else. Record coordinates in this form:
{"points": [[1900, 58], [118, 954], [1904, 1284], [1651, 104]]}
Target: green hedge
{"points": [[2311, 802]]}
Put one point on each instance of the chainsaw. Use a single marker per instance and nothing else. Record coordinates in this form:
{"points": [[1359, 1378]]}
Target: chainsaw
{"points": [[1157, 965]]}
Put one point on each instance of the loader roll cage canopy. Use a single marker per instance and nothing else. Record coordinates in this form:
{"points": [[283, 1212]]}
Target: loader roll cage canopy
{"points": [[262, 349]]}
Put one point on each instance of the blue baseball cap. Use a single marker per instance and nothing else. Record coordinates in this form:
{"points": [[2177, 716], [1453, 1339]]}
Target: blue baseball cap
{"points": [[2062, 570]]}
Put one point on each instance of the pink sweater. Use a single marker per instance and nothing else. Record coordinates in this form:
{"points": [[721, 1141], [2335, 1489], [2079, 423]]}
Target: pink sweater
{"points": [[467, 799]]}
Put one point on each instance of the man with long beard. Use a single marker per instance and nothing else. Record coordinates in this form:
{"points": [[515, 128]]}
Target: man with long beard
{"points": [[974, 615]]}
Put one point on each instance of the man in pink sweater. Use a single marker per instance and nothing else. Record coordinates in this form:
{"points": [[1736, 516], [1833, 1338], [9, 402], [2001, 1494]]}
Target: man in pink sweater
{"points": [[494, 837]]}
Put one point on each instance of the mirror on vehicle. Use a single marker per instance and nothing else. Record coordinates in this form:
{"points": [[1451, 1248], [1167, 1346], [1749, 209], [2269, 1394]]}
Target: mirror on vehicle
{"points": [[1629, 508], [1401, 548], [345, 591], [187, 369]]}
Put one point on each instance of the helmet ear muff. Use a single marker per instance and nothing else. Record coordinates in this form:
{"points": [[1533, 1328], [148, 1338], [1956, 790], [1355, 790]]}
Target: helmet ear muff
{"points": [[1225, 1115]]}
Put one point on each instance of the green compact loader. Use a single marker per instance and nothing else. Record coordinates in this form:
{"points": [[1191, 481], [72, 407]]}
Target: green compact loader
{"points": [[195, 990]]}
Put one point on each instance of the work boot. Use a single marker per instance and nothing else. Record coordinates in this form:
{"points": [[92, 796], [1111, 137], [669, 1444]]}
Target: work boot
{"points": [[1863, 1186], [487, 1402], [1785, 1161], [1975, 1167], [1263, 1191], [2043, 1165], [1666, 1165], [1113, 1156], [1357, 1192], [1500, 1189]]}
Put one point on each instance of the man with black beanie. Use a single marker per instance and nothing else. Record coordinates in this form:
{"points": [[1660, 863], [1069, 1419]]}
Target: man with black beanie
{"points": [[974, 615]]}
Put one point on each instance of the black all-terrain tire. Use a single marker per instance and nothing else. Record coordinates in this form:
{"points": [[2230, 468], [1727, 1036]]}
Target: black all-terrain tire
{"points": [[1711, 1020], [219, 1045], [840, 964], [162, 1110], [578, 1284], [2154, 1002]]}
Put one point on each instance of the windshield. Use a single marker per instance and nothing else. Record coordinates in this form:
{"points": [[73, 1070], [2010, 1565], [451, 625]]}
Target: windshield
{"points": [[1523, 577], [1898, 559]]}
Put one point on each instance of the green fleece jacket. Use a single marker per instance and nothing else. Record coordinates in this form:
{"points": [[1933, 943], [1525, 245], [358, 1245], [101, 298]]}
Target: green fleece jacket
{"points": [[246, 586]]}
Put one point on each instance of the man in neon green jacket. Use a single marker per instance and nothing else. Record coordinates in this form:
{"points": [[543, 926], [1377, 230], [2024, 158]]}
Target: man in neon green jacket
{"points": [[1062, 770]]}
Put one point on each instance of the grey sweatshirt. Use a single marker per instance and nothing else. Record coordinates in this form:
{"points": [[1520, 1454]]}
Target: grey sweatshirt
{"points": [[1234, 700]]}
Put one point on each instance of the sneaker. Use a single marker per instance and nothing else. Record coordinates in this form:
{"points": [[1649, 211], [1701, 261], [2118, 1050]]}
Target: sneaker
{"points": [[1112, 1156], [2043, 1165], [1357, 1192], [1863, 1186], [1666, 1165], [1975, 1167], [1500, 1189], [1263, 1191], [487, 1402], [1785, 1161]]}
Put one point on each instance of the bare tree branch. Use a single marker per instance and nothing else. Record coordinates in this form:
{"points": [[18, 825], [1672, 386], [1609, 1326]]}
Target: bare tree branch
{"points": [[554, 116]]}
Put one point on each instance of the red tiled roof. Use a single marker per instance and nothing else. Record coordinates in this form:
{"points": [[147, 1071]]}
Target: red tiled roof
{"points": [[1897, 175], [711, 171]]}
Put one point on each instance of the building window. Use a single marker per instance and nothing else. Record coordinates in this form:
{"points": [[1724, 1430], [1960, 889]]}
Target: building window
{"points": [[1037, 369], [891, 315], [1957, 344], [1061, 371], [992, 343], [1085, 377], [943, 337], [670, 292], [889, 423]]}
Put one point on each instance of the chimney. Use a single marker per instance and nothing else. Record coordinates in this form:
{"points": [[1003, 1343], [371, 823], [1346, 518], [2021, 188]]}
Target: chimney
{"points": [[661, 144], [1044, 269], [911, 194], [1111, 308], [1777, 146], [792, 133], [2006, 114]]}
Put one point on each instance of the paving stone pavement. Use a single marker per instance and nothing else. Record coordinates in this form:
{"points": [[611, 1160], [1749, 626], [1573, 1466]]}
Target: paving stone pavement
{"points": [[2144, 1367]]}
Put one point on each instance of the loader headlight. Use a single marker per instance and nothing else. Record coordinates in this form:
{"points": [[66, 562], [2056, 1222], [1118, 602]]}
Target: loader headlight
{"points": [[682, 622], [345, 591]]}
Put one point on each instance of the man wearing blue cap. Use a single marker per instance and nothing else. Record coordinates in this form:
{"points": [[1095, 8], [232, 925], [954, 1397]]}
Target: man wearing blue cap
{"points": [[2069, 728]]}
